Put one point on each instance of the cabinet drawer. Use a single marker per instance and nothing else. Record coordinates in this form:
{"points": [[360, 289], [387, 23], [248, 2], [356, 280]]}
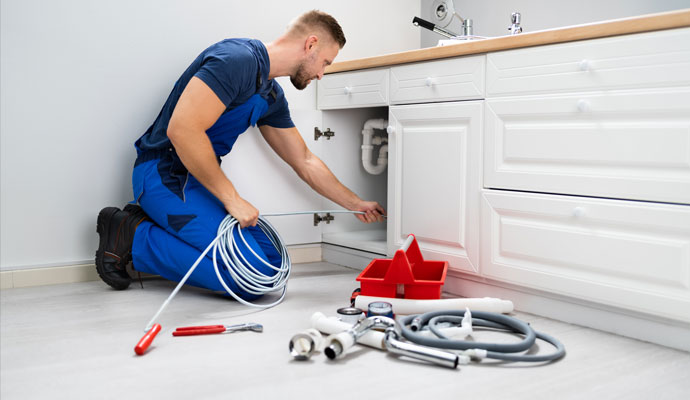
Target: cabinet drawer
{"points": [[626, 144], [625, 254], [434, 81], [634, 61], [353, 90]]}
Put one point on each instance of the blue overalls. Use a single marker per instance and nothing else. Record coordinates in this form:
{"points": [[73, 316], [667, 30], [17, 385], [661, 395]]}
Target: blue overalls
{"points": [[186, 214]]}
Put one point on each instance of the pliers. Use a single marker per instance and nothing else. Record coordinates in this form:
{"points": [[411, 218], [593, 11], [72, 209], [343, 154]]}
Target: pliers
{"points": [[209, 329]]}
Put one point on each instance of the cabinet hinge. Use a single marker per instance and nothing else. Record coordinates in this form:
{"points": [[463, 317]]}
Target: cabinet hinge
{"points": [[327, 218], [328, 133]]}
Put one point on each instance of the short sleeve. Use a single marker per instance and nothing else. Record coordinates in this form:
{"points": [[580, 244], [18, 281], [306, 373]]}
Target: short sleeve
{"points": [[278, 114], [227, 73]]}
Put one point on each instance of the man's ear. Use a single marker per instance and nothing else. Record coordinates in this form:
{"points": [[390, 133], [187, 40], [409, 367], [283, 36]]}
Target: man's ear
{"points": [[310, 43]]}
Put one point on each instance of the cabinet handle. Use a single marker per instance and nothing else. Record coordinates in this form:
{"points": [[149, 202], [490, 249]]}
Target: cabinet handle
{"points": [[585, 65], [347, 90], [430, 81], [579, 212], [390, 129], [583, 105]]}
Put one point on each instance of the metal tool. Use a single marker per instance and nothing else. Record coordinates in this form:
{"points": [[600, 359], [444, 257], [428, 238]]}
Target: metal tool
{"points": [[211, 329]]}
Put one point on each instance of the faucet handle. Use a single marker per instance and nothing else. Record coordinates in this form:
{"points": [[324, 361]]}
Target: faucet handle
{"points": [[515, 18]]}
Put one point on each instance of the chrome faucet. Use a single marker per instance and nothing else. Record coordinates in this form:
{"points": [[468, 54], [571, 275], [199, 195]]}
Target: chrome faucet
{"points": [[515, 27]]}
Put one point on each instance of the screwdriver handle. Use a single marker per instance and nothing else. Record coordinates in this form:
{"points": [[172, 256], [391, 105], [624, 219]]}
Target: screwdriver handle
{"points": [[146, 340], [190, 328], [204, 331]]}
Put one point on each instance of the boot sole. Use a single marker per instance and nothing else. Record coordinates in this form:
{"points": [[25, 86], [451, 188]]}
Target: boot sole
{"points": [[102, 228]]}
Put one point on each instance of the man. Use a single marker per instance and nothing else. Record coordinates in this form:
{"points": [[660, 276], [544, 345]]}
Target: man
{"points": [[182, 192]]}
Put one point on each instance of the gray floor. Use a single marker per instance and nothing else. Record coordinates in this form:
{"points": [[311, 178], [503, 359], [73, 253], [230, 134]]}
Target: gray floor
{"points": [[75, 341]]}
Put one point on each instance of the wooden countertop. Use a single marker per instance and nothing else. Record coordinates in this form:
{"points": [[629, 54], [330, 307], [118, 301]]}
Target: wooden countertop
{"points": [[644, 23]]}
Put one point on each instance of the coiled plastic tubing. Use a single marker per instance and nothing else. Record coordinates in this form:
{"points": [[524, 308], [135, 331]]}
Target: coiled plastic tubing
{"points": [[245, 275]]}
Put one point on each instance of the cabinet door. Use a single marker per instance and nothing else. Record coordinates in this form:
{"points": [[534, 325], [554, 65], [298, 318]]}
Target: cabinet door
{"points": [[434, 180], [628, 254]]}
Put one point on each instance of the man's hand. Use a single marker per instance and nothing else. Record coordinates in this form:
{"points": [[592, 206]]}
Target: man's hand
{"points": [[373, 212], [245, 213]]}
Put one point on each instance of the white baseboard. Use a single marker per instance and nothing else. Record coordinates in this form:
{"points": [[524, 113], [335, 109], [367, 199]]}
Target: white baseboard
{"points": [[54, 275], [347, 257], [639, 326]]}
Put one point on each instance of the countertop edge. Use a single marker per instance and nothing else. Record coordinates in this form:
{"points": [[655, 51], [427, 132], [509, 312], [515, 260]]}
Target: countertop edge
{"points": [[639, 24]]}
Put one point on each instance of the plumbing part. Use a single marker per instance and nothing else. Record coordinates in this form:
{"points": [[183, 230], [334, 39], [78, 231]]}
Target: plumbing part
{"points": [[381, 309], [368, 142], [515, 19], [246, 276], [439, 357], [210, 329], [147, 339], [333, 325], [500, 351], [461, 329], [411, 306], [442, 12], [468, 28], [434, 28], [306, 343], [249, 281], [351, 315], [338, 344]]}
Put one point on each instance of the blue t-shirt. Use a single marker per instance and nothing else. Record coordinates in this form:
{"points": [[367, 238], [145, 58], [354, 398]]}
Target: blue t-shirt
{"points": [[235, 69]]}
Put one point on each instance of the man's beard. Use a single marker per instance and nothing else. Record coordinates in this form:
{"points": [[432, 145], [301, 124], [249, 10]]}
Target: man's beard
{"points": [[300, 79]]}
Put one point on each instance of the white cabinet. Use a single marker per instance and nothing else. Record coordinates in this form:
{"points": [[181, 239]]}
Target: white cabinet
{"points": [[353, 90], [654, 59], [434, 180], [570, 181], [435, 81], [620, 144], [632, 255]]}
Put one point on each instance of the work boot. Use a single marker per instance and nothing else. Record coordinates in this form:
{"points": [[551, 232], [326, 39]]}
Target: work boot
{"points": [[116, 229]]}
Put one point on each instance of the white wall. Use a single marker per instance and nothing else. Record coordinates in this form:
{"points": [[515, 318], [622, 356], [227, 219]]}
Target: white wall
{"points": [[81, 80], [492, 17]]}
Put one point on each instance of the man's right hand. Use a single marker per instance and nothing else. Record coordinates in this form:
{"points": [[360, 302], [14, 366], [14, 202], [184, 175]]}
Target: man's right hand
{"points": [[245, 213]]}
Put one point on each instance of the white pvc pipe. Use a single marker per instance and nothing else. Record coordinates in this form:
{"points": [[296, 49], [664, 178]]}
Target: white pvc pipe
{"points": [[409, 306], [368, 147]]}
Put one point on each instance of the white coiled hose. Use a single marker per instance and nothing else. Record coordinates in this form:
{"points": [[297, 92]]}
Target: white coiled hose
{"points": [[245, 275]]}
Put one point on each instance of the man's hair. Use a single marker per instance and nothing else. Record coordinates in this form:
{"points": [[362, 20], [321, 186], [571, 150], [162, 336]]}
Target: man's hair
{"points": [[318, 20]]}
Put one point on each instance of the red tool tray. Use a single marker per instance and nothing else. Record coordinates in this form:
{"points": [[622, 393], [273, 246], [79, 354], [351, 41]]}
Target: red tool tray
{"points": [[421, 279]]}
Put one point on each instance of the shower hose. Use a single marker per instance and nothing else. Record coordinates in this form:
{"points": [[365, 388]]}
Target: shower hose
{"points": [[246, 276], [412, 325]]}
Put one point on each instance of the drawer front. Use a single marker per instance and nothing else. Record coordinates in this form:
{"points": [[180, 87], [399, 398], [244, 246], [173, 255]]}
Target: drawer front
{"points": [[434, 81], [633, 61], [353, 90], [626, 144], [625, 254]]}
